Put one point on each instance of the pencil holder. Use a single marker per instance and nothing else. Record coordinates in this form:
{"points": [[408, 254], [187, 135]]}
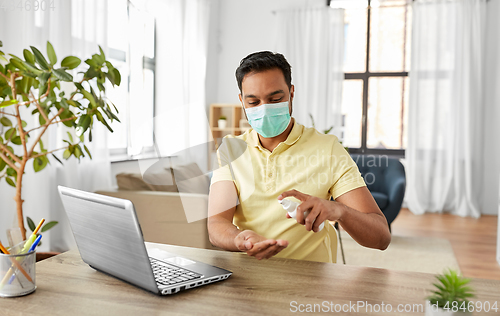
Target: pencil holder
{"points": [[17, 274]]}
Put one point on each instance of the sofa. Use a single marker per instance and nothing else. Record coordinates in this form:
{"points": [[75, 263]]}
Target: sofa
{"points": [[162, 217], [165, 214]]}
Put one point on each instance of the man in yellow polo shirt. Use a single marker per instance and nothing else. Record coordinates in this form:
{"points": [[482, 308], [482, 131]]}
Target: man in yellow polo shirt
{"points": [[280, 158]]}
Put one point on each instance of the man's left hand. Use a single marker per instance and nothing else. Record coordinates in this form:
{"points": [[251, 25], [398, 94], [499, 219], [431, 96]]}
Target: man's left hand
{"points": [[320, 209]]}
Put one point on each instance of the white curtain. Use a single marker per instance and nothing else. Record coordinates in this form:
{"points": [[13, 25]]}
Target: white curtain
{"points": [[312, 40], [74, 28], [445, 149]]}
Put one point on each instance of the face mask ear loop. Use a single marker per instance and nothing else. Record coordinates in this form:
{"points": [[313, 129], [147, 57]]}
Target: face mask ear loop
{"points": [[244, 111]]}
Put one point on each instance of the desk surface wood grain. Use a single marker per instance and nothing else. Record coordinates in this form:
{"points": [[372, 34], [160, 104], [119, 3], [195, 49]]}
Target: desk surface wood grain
{"points": [[67, 286]]}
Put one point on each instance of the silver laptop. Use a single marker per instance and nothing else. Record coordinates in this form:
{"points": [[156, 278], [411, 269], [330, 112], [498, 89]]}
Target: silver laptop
{"points": [[109, 238]]}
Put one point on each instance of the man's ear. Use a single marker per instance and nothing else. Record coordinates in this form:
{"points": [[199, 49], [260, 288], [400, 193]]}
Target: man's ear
{"points": [[243, 106], [290, 102]]}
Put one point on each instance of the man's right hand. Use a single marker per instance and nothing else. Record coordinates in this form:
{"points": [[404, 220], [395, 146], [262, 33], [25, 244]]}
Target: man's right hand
{"points": [[258, 246]]}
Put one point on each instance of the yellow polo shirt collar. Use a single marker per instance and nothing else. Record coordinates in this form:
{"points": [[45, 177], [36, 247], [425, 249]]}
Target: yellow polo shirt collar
{"points": [[293, 137]]}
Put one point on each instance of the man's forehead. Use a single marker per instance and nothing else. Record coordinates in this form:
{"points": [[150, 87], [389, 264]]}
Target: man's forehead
{"points": [[264, 83]]}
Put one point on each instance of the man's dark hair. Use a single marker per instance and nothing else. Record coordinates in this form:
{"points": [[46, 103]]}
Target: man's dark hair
{"points": [[262, 61]]}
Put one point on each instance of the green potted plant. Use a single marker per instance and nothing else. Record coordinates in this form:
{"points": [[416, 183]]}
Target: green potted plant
{"points": [[32, 86], [450, 295], [222, 122]]}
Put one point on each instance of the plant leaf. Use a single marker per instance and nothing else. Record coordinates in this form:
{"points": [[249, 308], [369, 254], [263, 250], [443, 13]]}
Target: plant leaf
{"points": [[8, 103], [40, 163], [51, 53], [66, 154], [55, 157], [64, 103], [31, 224], [62, 75], [70, 137], [48, 226], [32, 68], [89, 97], [16, 140], [10, 133], [10, 182], [2, 164], [84, 122], [29, 56], [17, 63], [87, 150], [44, 77], [41, 120], [102, 52], [40, 60], [78, 152], [5, 121], [117, 75], [71, 62]]}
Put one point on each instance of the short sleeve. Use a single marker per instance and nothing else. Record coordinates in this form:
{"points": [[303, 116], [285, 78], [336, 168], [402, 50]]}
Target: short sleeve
{"points": [[223, 173], [345, 172]]}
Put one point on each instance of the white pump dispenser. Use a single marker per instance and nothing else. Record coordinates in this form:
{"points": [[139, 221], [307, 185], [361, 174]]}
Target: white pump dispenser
{"points": [[291, 208]]}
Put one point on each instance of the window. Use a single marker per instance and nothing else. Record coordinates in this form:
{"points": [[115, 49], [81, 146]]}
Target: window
{"points": [[376, 66], [131, 49]]}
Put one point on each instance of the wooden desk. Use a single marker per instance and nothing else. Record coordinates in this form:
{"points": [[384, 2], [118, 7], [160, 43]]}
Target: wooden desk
{"points": [[67, 286]]}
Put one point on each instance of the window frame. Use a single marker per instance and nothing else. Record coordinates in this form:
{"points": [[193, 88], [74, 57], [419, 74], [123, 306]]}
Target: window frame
{"points": [[365, 77], [122, 154]]}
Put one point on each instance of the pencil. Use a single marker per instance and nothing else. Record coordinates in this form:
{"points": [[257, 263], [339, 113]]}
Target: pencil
{"points": [[5, 251], [39, 226]]}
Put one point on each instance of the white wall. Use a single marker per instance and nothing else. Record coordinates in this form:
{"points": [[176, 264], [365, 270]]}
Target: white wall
{"points": [[245, 26], [491, 165]]}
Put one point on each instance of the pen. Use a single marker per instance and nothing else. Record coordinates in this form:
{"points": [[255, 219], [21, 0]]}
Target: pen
{"points": [[32, 238], [35, 244], [37, 241]]}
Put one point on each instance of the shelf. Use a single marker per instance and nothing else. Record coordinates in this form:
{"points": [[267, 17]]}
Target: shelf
{"points": [[233, 113]]}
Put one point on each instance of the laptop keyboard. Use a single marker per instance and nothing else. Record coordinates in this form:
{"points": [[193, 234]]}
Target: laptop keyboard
{"points": [[167, 274]]}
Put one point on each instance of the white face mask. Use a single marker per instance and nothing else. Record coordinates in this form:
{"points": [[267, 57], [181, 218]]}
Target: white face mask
{"points": [[269, 120]]}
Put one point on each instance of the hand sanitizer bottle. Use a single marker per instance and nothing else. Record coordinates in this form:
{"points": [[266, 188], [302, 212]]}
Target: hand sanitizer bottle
{"points": [[291, 208]]}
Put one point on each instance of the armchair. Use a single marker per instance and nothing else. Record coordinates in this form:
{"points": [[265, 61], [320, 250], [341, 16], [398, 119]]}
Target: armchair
{"points": [[386, 180]]}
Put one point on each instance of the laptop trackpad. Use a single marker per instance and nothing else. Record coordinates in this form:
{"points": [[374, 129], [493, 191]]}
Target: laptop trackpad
{"points": [[180, 261], [169, 257]]}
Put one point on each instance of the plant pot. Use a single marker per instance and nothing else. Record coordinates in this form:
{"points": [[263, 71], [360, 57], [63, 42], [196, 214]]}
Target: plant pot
{"points": [[45, 255], [222, 123], [432, 311]]}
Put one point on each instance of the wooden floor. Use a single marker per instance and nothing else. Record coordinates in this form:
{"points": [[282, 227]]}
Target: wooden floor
{"points": [[473, 240]]}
